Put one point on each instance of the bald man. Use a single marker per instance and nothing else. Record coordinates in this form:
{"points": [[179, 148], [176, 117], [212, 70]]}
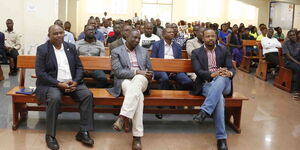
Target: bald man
{"points": [[59, 72]]}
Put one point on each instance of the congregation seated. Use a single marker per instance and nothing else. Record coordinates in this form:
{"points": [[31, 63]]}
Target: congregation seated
{"points": [[90, 46], [291, 59], [263, 34], [270, 47], [250, 50]]}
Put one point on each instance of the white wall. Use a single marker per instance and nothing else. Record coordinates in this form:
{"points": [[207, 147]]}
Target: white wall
{"points": [[31, 20]]}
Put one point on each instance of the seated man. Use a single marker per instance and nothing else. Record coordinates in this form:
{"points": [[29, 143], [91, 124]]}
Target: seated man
{"points": [[121, 41], [180, 39], [270, 49], [291, 59], [59, 71], [250, 50], [148, 38], [213, 67], [3, 58], [168, 49], [117, 34], [68, 36], [132, 72], [12, 46], [90, 46], [98, 35]]}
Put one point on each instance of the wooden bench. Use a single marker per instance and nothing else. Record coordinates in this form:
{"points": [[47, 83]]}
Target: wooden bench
{"points": [[245, 64], [20, 107], [285, 76], [262, 67]]}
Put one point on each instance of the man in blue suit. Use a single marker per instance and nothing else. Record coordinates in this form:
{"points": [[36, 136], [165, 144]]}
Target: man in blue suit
{"points": [[168, 49], [59, 71]]}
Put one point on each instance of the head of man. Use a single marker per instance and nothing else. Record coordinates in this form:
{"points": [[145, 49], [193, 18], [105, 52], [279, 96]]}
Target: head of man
{"points": [[59, 22], [175, 28], [67, 26], [168, 34], [148, 29], [126, 30], [92, 22], [195, 29], [56, 35], [89, 31], [292, 35], [133, 39], [98, 21], [117, 29], [10, 24], [209, 38], [142, 29], [270, 33], [279, 30], [158, 22], [247, 31], [199, 34], [105, 23]]}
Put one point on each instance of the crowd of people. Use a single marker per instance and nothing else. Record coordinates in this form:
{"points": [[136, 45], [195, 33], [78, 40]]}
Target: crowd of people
{"points": [[210, 48]]}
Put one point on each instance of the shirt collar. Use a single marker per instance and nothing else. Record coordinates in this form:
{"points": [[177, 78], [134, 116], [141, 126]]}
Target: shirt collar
{"points": [[127, 49], [207, 49], [10, 32], [166, 44]]}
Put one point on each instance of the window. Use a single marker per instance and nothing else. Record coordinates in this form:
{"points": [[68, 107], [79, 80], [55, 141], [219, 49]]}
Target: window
{"points": [[161, 9]]}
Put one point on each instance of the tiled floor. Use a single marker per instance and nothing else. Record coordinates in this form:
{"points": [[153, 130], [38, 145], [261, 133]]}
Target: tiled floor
{"points": [[270, 121]]}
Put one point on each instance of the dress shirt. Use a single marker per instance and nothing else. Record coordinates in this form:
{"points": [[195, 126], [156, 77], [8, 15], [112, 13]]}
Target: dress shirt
{"points": [[168, 51], [63, 73], [12, 39], [68, 37], [270, 45], [133, 60], [85, 48]]}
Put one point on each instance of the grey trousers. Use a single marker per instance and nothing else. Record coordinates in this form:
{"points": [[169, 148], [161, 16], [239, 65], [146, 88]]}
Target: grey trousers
{"points": [[82, 95]]}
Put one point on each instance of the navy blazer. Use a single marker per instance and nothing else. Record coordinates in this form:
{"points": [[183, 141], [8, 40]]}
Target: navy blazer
{"points": [[46, 67], [200, 65], [158, 49]]}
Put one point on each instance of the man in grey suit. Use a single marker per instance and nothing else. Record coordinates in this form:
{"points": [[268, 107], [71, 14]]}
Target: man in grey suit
{"points": [[121, 41], [132, 72]]}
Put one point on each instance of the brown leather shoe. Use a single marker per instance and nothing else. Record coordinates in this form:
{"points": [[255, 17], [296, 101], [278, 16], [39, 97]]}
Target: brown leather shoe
{"points": [[136, 143], [122, 123]]}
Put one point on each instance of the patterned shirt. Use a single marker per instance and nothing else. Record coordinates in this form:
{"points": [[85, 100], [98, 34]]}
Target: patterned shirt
{"points": [[211, 56], [133, 59], [180, 40]]}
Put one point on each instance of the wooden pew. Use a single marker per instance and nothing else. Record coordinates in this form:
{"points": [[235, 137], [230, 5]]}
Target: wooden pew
{"points": [[262, 68], [245, 64], [20, 107], [285, 76]]}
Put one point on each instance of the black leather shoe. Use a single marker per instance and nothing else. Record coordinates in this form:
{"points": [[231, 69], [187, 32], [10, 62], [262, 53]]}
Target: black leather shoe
{"points": [[51, 142], [200, 117], [159, 116], [222, 144], [84, 137]]}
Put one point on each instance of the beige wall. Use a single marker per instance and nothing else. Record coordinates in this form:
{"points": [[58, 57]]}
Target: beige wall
{"points": [[32, 19]]}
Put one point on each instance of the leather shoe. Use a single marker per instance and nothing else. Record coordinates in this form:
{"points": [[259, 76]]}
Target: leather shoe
{"points": [[122, 123], [52, 142], [84, 137], [136, 143], [222, 144], [201, 116]]}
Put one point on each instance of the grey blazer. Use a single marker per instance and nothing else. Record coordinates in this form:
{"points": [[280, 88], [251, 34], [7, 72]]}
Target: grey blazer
{"points": [[121, 66], [116, 44]]}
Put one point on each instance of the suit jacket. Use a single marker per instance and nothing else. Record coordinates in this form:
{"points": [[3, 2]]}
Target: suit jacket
{"points": [[200, 66], [46, 67], [158, 49], [116, 44], [121, 66]]}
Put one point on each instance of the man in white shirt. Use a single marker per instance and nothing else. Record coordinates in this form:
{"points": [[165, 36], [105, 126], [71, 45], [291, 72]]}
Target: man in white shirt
{"points": [[270, 48], [12, 46], [148, 38], [105, 29], [59, 71]]}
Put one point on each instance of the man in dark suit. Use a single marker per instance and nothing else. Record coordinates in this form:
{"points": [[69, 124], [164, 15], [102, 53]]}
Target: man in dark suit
{"points": [[168, 49], [213, 67], [59, 71], [132, 72]]}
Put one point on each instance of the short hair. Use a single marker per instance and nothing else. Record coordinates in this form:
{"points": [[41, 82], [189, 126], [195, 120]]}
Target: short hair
{"points": [[67, 22], [9, 20], [165, 29], [52, 26], [206, 29]]}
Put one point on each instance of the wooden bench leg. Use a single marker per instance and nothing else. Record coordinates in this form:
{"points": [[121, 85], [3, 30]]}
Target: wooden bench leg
{"points": [[235, 113], [245, 64], [1, 74], [262, 69], [19, 113], [284, 79]]}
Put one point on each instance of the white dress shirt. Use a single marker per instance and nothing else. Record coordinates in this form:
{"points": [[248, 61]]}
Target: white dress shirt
{"points": [[168, 51], [63, 73], [270, 45]]}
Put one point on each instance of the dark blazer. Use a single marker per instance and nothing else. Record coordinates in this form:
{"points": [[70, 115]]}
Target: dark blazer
{"points": [[158, 49], [46, 67], [3, 58], [200, 65], [121, 66]]}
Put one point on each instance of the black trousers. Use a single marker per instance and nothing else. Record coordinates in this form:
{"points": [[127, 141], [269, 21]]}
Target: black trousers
{"points": [[296, 72], [13, 53], [273, 59], [82, 95]]}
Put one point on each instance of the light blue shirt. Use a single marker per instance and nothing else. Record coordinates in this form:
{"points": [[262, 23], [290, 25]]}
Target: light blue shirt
{"points": [[68, 37]]}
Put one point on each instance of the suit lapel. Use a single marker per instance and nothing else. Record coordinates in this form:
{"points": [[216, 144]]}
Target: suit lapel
{"points": [[126, 56], [205, 60], [68, 53], [162, 49], [52, 54], [217, 56], [138, 52]]}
